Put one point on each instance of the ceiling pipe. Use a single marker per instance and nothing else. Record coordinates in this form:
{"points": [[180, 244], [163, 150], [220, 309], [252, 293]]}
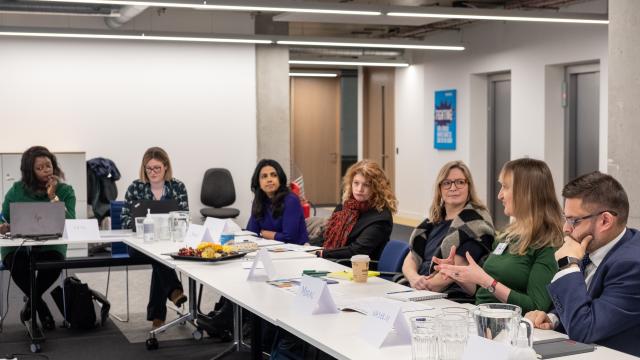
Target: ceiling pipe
{"points": [[127, 13], [344, 52]]}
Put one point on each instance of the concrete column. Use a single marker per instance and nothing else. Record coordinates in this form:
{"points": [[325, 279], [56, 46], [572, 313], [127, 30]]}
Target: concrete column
{"points": [[624, 100], [272, 93]]}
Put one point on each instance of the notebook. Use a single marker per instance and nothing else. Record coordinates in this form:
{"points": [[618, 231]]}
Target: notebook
{"points": [[415, 295]]}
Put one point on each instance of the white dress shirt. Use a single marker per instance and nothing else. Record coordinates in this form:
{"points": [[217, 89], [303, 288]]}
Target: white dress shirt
{"points": [[596, 258]]}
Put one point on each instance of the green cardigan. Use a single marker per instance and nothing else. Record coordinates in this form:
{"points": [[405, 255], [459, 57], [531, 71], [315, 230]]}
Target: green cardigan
{"points": [[527, 276], [18, 193]]}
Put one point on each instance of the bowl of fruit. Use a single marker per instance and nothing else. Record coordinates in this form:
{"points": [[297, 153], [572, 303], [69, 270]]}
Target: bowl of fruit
{"points": [[209, 252]]}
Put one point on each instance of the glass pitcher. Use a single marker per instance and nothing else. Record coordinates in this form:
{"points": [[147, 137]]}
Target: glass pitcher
{"points": [[179, 222], [504, 323]]}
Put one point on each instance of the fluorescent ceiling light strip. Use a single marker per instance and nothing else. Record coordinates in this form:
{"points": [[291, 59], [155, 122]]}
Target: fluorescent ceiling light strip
{"points": [[205, 6], [305, 74], [347, 63], [501, 18], [133, 37], [370, 45]]}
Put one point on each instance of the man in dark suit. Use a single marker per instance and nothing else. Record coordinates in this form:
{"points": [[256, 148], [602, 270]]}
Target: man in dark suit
{"points": [[596, 292]]}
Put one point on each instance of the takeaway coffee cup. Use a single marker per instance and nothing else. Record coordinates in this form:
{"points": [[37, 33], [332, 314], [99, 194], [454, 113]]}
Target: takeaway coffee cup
{"points": [[360, 267]]}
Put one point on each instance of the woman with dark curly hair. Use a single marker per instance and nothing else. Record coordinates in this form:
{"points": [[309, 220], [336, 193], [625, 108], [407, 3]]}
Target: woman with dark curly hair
{"points": [[276, 213], [362, 223], [41, 182]]}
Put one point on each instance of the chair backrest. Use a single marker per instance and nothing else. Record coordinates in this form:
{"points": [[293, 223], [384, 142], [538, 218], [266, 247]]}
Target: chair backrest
{"points": [[118, 249], [217, 188], [393, 256], [116, 211]]}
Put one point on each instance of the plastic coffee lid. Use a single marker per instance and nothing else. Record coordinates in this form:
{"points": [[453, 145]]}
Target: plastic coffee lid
{"points": [[360, 258]]}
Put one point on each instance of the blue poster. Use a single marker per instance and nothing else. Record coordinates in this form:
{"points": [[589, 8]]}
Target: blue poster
{"points": [[444, 136]]}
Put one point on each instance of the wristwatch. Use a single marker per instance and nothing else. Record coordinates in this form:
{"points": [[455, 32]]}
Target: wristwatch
{"points": [[492, 288], [567, 261]]}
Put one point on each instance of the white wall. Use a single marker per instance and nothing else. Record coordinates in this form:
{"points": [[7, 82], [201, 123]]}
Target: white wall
{"points": [[115, 99], [522, 49]]}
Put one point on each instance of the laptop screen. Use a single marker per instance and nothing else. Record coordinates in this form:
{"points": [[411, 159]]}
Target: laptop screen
{"points": [[37, 219], [139, 208]]}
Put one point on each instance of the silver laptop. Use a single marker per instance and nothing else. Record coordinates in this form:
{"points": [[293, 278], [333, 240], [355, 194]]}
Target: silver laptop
{"points": [[37, 220]]}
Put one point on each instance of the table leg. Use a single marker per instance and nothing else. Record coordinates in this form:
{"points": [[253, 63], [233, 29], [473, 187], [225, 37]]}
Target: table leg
{"points": [[32, 326]]}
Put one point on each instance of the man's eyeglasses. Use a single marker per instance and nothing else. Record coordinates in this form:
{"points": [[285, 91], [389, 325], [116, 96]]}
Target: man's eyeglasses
{"points": [[446, 184], [574, 221], [155, 169]]}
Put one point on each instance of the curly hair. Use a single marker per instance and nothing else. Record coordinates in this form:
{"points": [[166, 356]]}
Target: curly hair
{"points": [[381, 194], [27, 163], [260, 197]]}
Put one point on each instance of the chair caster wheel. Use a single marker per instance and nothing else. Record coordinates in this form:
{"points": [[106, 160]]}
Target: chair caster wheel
{"points": [[152, 344], [35, 348], [197, 335]]}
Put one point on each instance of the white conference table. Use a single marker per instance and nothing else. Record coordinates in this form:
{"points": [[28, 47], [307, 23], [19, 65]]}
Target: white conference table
{"points": [[336, 334]]}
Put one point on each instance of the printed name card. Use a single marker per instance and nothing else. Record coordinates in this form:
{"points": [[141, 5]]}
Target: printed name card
{"points": [[197, 234], [479, 348], [385, 325], [81, 229], [215, 227], [268, 270], [314, 298]]}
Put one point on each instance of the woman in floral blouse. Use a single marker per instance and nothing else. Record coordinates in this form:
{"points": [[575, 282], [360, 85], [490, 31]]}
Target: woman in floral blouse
{"points": [[157, 183]]}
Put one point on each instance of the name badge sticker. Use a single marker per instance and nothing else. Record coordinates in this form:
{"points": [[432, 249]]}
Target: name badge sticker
{"points": [[500, 248]]}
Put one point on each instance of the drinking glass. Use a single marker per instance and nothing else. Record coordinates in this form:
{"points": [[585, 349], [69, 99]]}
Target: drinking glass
{"points": [[179, 221], [471, 324], [453, 336], [139, 227], [424, 338]]}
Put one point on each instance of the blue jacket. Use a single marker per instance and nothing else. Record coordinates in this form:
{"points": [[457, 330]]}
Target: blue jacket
{"points": [[289, 228], [608, 313]]}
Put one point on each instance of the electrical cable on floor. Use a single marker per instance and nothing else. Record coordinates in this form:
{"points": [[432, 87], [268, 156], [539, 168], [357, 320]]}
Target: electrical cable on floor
{"points": [[6, 311]]}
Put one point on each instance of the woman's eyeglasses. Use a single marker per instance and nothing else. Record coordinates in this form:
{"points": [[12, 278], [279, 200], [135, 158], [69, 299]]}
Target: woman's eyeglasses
{"points": [[446, 184], [155, 169]]}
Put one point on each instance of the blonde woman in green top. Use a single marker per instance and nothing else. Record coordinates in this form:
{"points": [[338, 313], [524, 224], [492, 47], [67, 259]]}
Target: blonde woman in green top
{"points": [[522, 262], [41, 182]]}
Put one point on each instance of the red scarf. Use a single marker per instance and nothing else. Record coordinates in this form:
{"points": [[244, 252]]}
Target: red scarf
{"points": [[341, 223]]}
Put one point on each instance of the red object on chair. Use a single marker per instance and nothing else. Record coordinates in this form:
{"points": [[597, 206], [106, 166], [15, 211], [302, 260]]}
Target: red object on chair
{"points": [[306, 208]]}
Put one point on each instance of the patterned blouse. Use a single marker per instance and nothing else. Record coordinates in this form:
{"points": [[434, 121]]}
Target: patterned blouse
{"points": [[139, 190]]}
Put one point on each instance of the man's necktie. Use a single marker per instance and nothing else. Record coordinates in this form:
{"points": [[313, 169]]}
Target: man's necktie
{"points": [[584, 263]]}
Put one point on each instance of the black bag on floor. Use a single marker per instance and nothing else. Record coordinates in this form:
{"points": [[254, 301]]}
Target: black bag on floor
{"points": [[78, 307], [219, 322]]}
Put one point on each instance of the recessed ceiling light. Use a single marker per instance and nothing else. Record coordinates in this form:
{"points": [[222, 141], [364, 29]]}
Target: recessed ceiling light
{"points": [[312, 74]]}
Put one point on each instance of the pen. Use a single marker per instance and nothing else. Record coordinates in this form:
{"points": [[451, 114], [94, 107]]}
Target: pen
{"points": [[400, 291]]}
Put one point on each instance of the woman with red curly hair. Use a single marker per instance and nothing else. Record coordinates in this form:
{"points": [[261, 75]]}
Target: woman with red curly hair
{"points": [[362, 223]]}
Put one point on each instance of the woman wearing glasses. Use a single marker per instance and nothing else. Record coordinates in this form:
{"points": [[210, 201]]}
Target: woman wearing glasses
{"points": [[458, 223], [522, 262], [156, 182]]}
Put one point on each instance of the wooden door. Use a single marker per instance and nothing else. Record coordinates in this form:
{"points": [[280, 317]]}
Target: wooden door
{"points": [[379, 119], [315, 111]]}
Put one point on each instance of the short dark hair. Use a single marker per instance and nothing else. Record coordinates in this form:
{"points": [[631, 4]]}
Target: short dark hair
{"points": [[601, 191], [29, 179], [257, 208]]}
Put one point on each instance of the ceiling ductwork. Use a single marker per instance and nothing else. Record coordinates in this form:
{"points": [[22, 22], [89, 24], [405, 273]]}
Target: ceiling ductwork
{"points": [[41, 8], [351, 53]]}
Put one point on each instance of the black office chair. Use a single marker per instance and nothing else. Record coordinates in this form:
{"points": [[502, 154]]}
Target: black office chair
{"points": [[218, 192]]}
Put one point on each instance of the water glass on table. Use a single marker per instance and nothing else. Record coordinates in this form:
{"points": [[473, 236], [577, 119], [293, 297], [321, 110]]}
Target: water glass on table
{"points": [[424, 337], [452, 337], [468, 313], [139, 223]]}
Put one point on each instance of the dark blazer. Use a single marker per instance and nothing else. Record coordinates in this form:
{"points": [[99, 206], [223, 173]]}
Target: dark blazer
{"points": [[608, 313], [369, 236]]}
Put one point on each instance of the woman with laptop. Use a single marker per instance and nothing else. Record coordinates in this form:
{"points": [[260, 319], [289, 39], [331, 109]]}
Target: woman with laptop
{"points": [[522, 263], [458, 223], [156, 182], [41, 182]]}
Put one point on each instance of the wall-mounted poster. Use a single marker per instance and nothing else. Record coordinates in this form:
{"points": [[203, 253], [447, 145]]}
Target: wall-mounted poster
{"points": [[444, 136]]}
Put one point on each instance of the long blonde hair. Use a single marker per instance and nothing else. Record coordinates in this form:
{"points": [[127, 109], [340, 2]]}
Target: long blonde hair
{"points": [[538, 215], [437, 212], [381, 194]]}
